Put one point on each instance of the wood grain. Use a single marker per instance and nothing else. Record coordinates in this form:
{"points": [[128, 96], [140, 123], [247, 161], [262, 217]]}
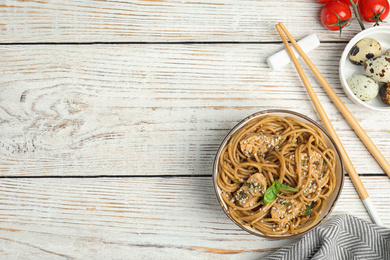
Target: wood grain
{"points": [[161, 21], [77, 218], [112, 109]]}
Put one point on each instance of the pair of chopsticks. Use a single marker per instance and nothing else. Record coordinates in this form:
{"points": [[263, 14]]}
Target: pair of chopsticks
{"points": [[328, 125]]}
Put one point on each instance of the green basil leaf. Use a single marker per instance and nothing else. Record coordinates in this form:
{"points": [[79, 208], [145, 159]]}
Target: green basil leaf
{"points": [[308, 210], [271, 193], [281, 186]]}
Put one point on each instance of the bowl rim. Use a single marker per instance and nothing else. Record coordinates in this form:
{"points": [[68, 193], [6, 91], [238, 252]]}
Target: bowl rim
{"points": [[343, 59], [238, 126]]}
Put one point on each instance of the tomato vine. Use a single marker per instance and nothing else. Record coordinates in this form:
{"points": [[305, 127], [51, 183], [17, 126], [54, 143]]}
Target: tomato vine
{"points": [[336, 14]]}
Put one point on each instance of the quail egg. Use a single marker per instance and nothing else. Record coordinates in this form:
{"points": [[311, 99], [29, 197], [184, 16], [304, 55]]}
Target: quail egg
{"points": [[363, 50], [385, 93], [387, 53], [378, 68], [365, 88]]}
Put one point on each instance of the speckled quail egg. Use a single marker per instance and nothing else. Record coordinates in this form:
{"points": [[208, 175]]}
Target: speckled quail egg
{"points": [[385, 93], [378, 68], [365, 88], [363, 50], [387, 53]]}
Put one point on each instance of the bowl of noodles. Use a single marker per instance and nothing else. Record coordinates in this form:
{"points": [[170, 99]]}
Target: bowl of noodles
{"points": [[278, 174]]}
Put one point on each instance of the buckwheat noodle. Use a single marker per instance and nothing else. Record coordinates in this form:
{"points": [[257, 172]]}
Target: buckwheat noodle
{"points": [[271, 148]]}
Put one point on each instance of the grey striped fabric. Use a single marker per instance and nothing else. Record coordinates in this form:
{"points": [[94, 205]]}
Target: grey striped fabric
{"points": [[343, 237]]}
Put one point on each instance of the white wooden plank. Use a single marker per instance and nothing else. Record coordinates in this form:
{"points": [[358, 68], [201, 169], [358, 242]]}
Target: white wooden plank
{"points": [[151, 109], [164, 218], [161, 21]]}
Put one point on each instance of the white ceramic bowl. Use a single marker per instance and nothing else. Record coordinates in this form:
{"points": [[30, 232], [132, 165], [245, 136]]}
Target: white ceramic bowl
{"points": [[347, 68], [329, 203]]}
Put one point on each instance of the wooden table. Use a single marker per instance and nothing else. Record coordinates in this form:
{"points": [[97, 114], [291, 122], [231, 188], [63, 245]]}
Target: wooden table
{"points": [[111, 113]]}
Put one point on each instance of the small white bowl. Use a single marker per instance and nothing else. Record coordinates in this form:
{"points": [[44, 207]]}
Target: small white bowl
{"points": [[347, 68]]}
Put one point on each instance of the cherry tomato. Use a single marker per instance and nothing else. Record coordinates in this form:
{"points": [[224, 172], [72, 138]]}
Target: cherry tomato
{"points": [[373, 11], [335, 15], [345, 1]]}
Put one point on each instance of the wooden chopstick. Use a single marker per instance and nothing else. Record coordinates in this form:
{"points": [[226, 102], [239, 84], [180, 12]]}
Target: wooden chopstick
{"points": [[341, 107], [329, 127]]}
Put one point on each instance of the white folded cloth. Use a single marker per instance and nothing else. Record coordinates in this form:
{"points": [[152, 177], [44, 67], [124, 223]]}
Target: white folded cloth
{"points": [[342, 237]]}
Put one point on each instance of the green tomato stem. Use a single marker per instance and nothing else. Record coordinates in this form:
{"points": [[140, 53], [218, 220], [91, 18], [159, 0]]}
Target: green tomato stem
{"points": [[354, 6]]}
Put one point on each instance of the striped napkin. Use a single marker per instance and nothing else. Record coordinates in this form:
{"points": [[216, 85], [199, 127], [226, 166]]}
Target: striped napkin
{"points": [[344, 237]]}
